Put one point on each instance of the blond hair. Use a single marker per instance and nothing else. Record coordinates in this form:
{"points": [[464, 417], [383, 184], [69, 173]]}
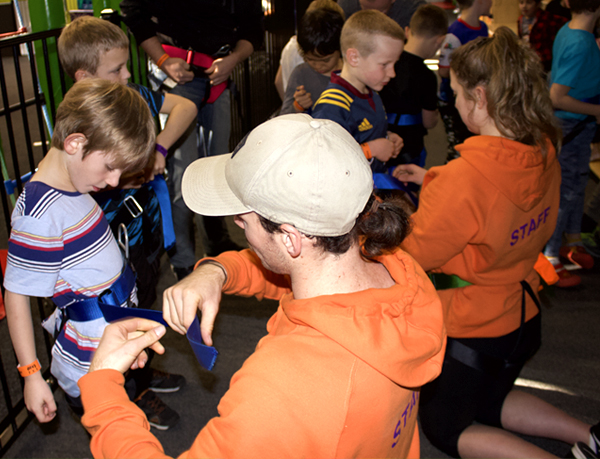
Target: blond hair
{"points": [[82, 42], [363, 26], [114, 118], [518, 99]]}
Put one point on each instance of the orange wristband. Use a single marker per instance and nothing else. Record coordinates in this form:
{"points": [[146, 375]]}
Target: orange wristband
{"points": [[162, 59], [299, 107], [366, 150], [28, 370]]}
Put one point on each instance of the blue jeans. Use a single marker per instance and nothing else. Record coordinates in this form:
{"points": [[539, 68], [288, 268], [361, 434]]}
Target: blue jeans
{"points": [[574, 161], [215, 117]]}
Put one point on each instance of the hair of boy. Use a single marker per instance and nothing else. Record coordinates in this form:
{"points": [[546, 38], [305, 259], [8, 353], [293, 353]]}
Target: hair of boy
{"points": [[319, 31], [114, 118], [82, 43], [464, 4], [584, 6], [362, 27], [326, 4], [518, 101], [429, 21]]}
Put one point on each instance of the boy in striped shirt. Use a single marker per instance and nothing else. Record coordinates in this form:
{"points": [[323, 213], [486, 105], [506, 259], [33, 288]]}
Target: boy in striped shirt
{"points": [[61, 245]]}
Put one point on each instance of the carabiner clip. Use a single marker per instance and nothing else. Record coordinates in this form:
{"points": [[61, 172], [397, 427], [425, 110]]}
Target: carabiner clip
{"points": [[123, 240]]}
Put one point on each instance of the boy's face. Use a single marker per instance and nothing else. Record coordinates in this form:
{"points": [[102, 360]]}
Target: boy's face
{"points": [[94, 172], [113, 66], [377, 69], [322, 64], [528, 8]]}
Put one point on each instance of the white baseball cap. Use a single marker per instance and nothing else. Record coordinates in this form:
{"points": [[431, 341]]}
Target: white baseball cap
{"points": [[294, 169]]}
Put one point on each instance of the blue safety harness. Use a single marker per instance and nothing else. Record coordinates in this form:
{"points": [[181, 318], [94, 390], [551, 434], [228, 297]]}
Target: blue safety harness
{"points": [[115, 304]]}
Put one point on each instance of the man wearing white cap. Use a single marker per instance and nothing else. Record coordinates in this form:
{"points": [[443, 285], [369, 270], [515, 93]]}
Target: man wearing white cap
{"points": [[358, 330]]}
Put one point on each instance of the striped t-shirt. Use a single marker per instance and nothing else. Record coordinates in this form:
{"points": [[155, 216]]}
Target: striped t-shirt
{"points": [[62, 247]]}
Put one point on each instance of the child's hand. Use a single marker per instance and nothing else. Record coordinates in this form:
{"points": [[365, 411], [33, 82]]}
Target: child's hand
{"points": [[303, 98], [38, 397], [383, 149], [410, 173], [397, 141], [159, 164]]}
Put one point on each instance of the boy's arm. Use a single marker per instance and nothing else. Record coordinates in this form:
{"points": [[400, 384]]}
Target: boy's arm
{"points": [[38, 395], [559, 94], [430, 118], [181, 113]]}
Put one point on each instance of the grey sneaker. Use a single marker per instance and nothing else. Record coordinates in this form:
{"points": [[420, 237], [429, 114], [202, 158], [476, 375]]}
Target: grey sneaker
{"points": [[582, 451], [159, 415]]}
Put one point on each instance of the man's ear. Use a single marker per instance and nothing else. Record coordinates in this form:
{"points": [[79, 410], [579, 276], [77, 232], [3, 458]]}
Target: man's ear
{"points": [[74, 143], [81, 75], [352, 56], [292, 240]]}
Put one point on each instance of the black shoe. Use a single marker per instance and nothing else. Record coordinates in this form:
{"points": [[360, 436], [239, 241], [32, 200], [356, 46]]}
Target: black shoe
{"points": [[166, 382], [181, 273], [159, 415], [582, 451]]}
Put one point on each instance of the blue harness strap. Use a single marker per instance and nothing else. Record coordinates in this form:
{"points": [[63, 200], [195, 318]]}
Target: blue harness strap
{"points": [[386, 181], [164, 202], [404, 120], [112, 304], [206, 355]]}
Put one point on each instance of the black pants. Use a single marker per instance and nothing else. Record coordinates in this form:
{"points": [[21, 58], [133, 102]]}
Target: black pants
{"points": [[462, 395]]}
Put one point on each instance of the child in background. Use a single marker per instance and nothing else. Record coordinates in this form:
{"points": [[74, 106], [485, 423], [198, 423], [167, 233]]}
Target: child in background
{"points": [[538, 28], [410, 98], [319, 42], [466, 28], [90, 47], [575, 94], [481, 224], [371, 44], [61, 245]]}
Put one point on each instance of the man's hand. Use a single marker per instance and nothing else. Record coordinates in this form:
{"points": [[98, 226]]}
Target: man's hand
{"points": [[221, 69], [382, 149], [397, 141], [38, 397], [303, 98], [200, 290], [178, 70], [410, 173], [123, 343]]}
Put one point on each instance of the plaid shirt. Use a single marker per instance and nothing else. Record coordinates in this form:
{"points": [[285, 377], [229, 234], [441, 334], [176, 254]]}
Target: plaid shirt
{"points": [[542, 34]]}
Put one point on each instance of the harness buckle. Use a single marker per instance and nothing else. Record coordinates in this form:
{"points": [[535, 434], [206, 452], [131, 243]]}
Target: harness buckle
{"points": [[133, 206]]}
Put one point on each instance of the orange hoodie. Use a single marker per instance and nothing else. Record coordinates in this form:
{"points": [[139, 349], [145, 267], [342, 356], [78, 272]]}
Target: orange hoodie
{"points": [[337, 376], [485, 217]]}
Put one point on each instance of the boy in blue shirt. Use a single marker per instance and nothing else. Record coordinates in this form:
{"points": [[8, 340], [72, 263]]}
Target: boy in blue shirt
{"points": [[575, 94], [371, 44]]}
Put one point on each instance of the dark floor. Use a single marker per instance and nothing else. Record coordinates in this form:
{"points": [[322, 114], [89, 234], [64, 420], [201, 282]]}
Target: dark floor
{"points": [[565, 372]]}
